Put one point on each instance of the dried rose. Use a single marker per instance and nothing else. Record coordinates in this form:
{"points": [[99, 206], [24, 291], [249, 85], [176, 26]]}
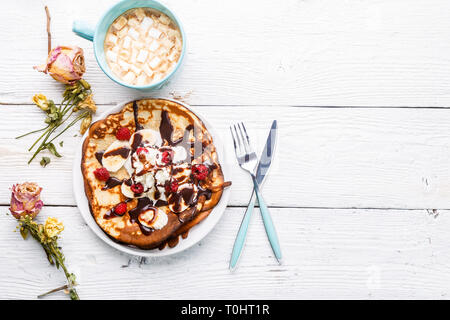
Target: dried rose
{"points": [[26, 200], [64, 64], [41, 101], [53, 227]]}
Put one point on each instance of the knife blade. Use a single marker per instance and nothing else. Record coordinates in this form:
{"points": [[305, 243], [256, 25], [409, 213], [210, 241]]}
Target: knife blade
{"points": [[266, 157], [261, 173]]}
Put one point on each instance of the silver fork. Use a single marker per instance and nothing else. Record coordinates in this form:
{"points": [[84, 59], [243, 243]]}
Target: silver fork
{"points": [[248, 161]]}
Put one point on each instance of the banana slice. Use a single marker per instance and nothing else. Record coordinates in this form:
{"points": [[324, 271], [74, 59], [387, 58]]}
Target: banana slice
{"points": [[126, 191], [153, 218], [148, 136], [160, 220], [116, 155], [183, 198], [181, 173]]}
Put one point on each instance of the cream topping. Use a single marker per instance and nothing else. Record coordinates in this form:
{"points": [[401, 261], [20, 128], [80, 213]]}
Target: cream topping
{"points": [[180, 154]]}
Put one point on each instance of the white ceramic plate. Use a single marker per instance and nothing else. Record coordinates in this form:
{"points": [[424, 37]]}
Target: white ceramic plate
{"points": [[197, 233]]}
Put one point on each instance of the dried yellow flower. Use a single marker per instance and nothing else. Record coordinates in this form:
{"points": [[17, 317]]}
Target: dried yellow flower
{"points": [[88, 103], [53, 227], [85, 123], [41, 101]]}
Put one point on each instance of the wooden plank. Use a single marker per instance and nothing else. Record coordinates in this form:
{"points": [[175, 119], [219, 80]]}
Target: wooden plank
{"points": [[325, 157], [310, 53], [328, 253]]}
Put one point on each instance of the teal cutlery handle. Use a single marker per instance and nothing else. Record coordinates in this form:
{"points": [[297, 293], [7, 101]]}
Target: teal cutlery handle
{"points": [[83, 29], [268, 223], [242, 234]]}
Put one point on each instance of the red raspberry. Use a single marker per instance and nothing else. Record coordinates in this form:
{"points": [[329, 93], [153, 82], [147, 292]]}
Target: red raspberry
{"points": [[166, 157], [137, 188], [172, 187], [123, 133], [200, 171], [120, 209], [141, 150], [101, 174]]}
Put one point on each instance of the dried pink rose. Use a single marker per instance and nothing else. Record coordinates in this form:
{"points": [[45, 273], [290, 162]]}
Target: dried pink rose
{"points": [[64, 64], [26, 200]]}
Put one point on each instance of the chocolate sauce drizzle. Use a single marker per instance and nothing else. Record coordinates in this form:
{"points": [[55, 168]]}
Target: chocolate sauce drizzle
{"points": [[137, 140], [166, 129], [110, 214], [111, 183], [99, 156], [186, 194], [123, 152], [135, 114], [143, 205]]}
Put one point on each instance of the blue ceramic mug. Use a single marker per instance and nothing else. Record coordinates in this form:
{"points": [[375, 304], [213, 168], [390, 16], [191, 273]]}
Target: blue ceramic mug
{"points": [[98, 34]]}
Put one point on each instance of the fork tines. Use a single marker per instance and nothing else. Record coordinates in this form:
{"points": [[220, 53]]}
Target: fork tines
{"points": [[243, 144]]}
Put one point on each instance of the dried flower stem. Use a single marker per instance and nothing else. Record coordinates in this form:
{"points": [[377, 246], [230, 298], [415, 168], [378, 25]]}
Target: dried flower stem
{"points": [[49, 36], [81, 116], [50, 246], [76, 97], [31, 132], [45, 143], [53, 290]]}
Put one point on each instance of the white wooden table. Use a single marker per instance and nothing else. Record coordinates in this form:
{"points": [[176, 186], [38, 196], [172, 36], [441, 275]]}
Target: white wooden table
{"points": [[360, 189]]}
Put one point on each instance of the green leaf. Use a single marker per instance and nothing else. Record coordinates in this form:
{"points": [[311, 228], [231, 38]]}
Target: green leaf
{"points": [[51, 147], [45, 161], [61, 143]]}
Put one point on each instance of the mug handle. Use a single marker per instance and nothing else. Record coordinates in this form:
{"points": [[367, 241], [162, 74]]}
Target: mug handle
{"points": [[83, 29]]}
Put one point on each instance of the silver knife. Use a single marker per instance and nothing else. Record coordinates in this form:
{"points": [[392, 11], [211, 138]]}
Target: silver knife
{"points": [[261, 173], [266, 156]]}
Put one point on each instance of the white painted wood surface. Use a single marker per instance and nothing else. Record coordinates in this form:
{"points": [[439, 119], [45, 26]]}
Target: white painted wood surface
{"points": [[352, 190], [328, 253], [324, 52]]}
